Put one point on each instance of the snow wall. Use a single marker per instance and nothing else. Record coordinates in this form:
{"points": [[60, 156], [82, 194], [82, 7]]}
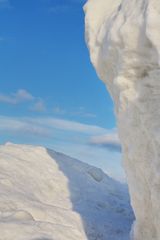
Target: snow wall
{"points": [[123, 37]]}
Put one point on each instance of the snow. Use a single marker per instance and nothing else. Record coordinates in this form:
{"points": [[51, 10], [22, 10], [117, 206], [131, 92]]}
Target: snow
{"points": [[123, 38], [45, 195]]}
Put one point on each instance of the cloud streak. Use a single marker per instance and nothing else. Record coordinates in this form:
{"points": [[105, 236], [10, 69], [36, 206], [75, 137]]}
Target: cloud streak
{"points": [[80, 111], [46, 126], [67, 125], [109, 141]]}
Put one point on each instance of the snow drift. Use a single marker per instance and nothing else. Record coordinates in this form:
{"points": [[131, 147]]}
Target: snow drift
{"points": [[45, 195], [123, 37]]}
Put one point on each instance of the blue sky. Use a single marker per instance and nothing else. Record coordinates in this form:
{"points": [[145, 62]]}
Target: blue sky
{"points": [[49, 91]]}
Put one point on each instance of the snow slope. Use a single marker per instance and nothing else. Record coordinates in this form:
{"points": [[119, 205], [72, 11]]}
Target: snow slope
{"points": [[123, 37], [45, 195]]}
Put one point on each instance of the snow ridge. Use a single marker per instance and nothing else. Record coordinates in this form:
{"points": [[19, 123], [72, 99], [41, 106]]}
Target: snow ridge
{"points": [[45, 195]]}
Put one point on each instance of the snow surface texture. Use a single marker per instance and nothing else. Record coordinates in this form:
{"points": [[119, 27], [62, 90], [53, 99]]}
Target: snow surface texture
{"points": [[46, 195], [124, 41]]}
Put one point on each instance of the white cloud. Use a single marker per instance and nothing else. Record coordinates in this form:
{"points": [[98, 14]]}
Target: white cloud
{"points": [[80, 111], [46, 126], [68, 125], [14, 98], [21, 126]]}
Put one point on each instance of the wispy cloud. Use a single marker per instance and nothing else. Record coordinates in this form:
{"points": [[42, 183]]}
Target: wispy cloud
{"points": [[38, 106], [59, 8], [79, 111], [109, 141], [21, 95], [59, 111]]}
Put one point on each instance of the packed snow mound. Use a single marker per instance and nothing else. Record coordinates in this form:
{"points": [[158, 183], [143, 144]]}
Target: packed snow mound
{"points": [[123, 37], [45, 195]]}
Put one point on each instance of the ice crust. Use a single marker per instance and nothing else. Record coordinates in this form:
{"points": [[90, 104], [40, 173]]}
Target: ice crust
{"points": [[123, 37]]}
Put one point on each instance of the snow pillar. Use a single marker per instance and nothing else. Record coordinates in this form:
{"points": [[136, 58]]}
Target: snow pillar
{"points": [[123, 37]]}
